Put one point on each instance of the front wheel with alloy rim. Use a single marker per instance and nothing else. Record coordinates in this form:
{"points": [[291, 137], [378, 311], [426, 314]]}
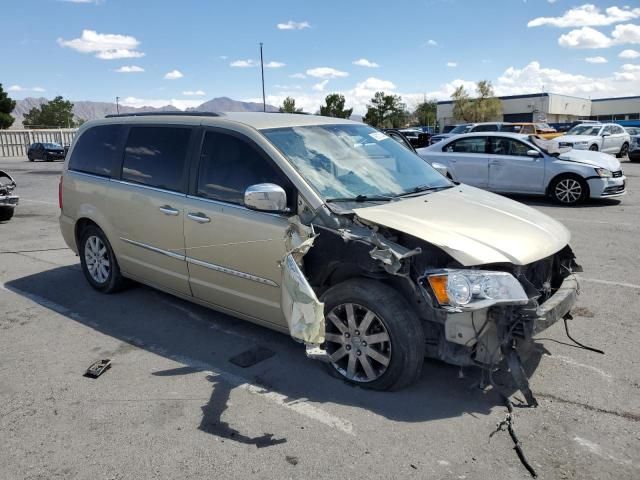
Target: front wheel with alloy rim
{"points": [[373, 337], [98, 261], [569, 190], [593, 148]]}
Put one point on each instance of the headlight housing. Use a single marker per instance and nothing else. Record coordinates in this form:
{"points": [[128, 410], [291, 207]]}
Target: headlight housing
{"points": [[603, 172], [474, 289]]}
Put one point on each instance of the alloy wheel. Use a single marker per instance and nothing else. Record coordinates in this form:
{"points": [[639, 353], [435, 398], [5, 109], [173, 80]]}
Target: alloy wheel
{"points": [[568, 190], [358, 342], [96, 256]]}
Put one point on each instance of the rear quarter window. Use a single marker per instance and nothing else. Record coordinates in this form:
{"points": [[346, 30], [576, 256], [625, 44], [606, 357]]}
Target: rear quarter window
{"points": [[95, 150]]}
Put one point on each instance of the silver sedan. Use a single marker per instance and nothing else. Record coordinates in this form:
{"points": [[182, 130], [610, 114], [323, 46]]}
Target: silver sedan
{"points": [[512, 163]]}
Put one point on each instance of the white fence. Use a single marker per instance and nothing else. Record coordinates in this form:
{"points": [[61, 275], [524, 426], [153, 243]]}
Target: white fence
{"points": [[15, 143]]}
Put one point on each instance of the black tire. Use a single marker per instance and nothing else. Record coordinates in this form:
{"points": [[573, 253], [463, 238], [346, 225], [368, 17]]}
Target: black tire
{"points": [[391, 315], [569, 189], [6, 214], [48, 158], [593, 148], [624, 150], [113, 280]]}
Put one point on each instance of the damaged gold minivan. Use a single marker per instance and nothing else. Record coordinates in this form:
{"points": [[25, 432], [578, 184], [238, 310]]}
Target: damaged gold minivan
{"points": [[319, 227]]}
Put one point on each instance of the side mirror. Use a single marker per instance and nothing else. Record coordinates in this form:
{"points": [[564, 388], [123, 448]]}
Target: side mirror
{"points": [[606, 134], [440, 168], [266, 197], [533, 153]]}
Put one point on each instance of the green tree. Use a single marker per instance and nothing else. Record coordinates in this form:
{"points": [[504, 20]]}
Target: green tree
{"points": [[334, 107], [426, 112], [385, 111], [6, 107], [462, 105], [289, 106], [56, 113], [485, 107]]}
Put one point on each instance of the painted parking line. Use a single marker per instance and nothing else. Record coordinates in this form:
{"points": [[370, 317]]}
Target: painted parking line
{"points": [[609, 282], [300, 406], [38, 201]]}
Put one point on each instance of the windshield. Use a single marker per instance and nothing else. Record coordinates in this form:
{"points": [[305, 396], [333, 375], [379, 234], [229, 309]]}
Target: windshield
{"points": [[344, 161], [633, 130], [52, 145], [585, 130], [550, 147], [461, 129], [543, 126]]}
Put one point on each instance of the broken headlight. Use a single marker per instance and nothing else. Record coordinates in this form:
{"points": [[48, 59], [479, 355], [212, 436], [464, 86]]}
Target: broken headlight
{"points": [[475, 289]]}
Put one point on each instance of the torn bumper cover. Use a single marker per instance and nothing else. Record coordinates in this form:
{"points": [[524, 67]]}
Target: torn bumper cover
{"points": [[558, 306]]}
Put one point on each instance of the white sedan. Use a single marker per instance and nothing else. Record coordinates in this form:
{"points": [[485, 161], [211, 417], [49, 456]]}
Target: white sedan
{"points": [[604, 137], [512, 163]]}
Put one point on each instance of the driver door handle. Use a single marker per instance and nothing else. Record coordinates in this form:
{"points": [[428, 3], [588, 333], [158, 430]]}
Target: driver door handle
{"points": [[198, 217]]}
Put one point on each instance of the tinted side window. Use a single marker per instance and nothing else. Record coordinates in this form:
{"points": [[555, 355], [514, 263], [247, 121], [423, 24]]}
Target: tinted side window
{"points": [[228, 165], [156, 156], [95, 149], [508, 146], [468, 145], [492, 127]]}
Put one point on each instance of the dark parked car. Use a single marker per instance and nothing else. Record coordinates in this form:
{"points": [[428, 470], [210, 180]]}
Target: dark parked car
{"points": [[45, 151], [8, 200], [634, 146], [417, 137]]}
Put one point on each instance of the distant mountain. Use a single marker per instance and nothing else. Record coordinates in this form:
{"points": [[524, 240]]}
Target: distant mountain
{"points": [[89, 110], [226, 104]]}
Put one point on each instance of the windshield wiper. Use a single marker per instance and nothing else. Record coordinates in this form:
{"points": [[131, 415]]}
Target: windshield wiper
{"points": [[422, 189], [360, 199]]}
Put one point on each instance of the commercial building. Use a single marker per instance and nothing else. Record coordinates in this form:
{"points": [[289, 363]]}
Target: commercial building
{"points": [[553, 108]]}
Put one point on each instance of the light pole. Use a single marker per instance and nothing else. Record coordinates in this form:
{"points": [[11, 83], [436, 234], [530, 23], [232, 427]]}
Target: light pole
{"points": [[264, 102], [117, 105]]}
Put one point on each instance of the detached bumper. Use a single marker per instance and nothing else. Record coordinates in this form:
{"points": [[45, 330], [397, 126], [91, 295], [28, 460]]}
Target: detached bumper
{"points": [[558, 305], [9, 200]]}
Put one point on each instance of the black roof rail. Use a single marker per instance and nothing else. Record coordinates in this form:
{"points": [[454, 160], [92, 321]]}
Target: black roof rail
{"points": [[155, 114]]}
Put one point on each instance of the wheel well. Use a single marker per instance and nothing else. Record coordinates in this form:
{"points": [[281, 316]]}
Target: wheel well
{"points": [[81, 224], [560, 176]]}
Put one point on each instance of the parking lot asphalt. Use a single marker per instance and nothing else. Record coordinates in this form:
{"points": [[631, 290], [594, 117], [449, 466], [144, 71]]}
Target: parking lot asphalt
{"points": [[174, 406]]}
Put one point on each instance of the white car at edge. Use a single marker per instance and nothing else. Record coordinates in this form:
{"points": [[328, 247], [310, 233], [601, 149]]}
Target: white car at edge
{"points": [[525, 164], [601, 137]]}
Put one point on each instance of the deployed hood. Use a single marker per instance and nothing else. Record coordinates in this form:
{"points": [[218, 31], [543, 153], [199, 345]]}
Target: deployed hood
{"points": [[597, 159], [475, 227]]}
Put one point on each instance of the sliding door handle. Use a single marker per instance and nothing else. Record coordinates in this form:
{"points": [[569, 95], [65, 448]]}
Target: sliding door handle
{"points": [[198, 217], [169, 210]]}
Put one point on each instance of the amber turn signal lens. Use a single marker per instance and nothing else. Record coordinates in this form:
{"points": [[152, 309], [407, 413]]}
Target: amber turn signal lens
{"points": [[439, 286]]}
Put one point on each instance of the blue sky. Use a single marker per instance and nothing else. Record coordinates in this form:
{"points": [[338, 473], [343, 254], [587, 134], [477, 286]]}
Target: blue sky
{"points": [[186, 52]]}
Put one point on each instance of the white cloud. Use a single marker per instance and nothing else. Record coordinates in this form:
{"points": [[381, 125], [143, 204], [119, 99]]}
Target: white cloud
{"points": [[595, 60], [363, 62], [244, 63], [629, 67], [291, 25], [587, 37], [551, 1], [432, 43], [129, 69], [326, 72], [319, 87], [158, 102], [106, 46], [452, 64], [20, 88], [630, 54], [173, 75], [588, 15], [298, 75], [192, 93], [273, 64]]}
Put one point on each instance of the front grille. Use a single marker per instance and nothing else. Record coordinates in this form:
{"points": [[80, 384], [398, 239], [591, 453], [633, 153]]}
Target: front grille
{"points": [[566, 144], [617, 174]]}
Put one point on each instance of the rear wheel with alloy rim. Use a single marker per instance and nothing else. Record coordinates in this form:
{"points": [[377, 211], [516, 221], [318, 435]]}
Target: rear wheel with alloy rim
{"points": [[373, 337], [98, 261], [569, 190], [624, 150]]}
